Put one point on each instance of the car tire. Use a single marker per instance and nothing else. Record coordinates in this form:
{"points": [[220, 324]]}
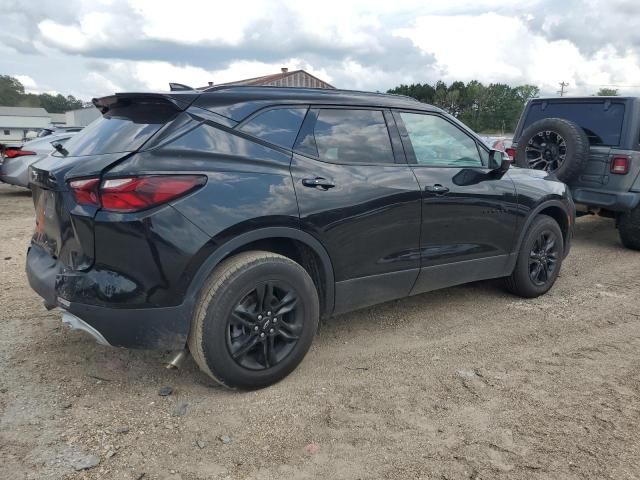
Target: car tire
{"points": [[539, 260], [629, 228], [548, 132], [255, 320]]}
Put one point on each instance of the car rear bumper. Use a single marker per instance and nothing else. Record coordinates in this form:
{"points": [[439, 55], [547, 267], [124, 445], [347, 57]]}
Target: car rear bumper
{"points": [[164, 328], [615, 201], [15, 171]]}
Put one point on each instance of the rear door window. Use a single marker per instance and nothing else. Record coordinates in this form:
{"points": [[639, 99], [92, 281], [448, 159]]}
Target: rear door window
{"points": [[278, 126], [601, 120], [352, 136]]}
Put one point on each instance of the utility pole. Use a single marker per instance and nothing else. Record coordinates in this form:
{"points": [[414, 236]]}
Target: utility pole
{"points": [[562, 87]]}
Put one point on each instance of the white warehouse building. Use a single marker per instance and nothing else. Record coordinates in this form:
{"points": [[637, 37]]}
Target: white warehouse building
{"points": [[16, 122]]}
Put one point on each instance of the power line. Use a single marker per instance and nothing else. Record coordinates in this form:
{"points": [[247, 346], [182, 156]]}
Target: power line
{"points": [[562, 85]]}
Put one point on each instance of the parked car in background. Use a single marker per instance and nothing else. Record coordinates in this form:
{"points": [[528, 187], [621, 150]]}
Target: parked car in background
{"points": [[592, 144], [231, 220], [15, 162]]}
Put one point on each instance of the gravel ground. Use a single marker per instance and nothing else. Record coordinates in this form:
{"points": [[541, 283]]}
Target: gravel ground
{"points": [[468, 382]]}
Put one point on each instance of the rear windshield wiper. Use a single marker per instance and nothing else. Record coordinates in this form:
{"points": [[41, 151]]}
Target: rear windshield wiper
{"points": [[58, 146]]}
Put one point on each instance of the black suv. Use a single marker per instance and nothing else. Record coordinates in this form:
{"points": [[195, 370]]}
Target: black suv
{"points": [[592, 144], [231, 220]]}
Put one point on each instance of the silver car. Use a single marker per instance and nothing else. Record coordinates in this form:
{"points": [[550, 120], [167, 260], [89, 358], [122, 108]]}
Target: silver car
{"points": [[15, 162]]}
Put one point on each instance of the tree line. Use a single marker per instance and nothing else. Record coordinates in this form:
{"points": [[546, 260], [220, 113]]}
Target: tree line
{"points": [[12, 94], [485, 108]]}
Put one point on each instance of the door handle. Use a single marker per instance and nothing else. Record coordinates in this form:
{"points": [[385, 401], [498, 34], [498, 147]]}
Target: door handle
{"points": [[318, 182], [437, 189]]}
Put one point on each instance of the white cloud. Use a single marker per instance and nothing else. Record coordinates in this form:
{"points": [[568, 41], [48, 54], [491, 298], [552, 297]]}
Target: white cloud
{"points": [[93, 47], [499, 48], [29, 83]]}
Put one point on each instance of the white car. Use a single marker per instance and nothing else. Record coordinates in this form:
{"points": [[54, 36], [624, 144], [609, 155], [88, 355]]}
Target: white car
{"points": [[15, 162]]}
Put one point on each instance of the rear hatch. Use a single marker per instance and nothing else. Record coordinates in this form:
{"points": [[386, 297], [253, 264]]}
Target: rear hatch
{"points": [[64, 228], [602, 119]]}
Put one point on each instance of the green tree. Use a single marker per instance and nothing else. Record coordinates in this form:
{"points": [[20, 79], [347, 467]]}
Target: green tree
{"points": [[607, 92], [59, 103], [484, 108], [11, 90]]}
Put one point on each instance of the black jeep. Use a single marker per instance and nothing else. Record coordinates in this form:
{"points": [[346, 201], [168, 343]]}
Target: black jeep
{"points": [[231, 220], [592, 144]]}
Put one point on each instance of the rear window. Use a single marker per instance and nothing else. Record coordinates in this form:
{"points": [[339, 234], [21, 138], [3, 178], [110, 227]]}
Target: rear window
{"points": [[602, 121], [279, 126], [121, 129]]}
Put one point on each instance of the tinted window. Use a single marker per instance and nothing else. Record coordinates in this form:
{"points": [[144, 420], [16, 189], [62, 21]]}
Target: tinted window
{"points": [[120, 130], [353, 136], [279, 126], [437, 142], [602, 126]]}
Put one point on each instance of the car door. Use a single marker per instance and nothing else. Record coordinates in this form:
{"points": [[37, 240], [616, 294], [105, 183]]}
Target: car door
{"points": [[358, 196], [469, 211]]}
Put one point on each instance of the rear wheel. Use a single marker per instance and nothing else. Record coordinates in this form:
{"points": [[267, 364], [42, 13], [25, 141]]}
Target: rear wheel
{"points": [[255, 320], [539, 259], [629, 229]]}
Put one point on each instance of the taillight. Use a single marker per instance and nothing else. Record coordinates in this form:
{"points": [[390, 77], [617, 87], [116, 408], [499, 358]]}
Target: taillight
{"points": [[85, 191], [131, 194], [13, 153], [511, 152], [620, 165]]}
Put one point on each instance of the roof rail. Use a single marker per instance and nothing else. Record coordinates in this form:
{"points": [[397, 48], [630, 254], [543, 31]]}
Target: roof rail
{"points": [[328, 91]]}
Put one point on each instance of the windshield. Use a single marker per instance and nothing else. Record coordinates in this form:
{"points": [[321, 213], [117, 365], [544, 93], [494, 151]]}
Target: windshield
{"points": [[601, 120]]}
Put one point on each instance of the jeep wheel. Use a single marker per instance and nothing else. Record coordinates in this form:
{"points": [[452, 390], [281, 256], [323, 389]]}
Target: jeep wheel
{"points": [[554, 145], [255, 320], [629, 229], [539, 260]]}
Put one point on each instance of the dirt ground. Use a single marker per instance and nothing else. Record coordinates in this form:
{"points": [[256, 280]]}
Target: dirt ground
{"points": [[468, 382]]}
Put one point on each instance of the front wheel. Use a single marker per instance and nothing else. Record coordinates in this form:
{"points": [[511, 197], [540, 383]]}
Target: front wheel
{"points": [[255, 320], [539, 259], [629, 228]]}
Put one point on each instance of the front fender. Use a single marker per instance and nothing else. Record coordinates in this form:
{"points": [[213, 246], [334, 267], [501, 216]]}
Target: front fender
{"points": [[568, 209]]}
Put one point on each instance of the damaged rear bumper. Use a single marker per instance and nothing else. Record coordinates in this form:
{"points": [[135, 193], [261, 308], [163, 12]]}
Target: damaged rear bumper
{"points": [[148, 328]]}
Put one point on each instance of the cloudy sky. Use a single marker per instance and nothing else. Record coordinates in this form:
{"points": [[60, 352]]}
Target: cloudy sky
{"points": [[91, 48]]}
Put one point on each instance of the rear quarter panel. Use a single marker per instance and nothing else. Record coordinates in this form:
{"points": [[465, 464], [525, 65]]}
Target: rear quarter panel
{"points": [[249, 184]]}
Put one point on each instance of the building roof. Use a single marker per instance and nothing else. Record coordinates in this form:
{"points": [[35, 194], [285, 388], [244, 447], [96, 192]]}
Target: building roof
{"points": [[23, 112], [269, 79]]}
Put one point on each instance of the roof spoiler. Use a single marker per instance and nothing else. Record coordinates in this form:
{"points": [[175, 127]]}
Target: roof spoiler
{"points": [[180, 87], [181, 100]]}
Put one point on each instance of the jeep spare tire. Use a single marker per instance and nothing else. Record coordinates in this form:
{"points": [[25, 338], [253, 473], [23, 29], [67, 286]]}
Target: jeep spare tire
{"points": [[554, 145]]}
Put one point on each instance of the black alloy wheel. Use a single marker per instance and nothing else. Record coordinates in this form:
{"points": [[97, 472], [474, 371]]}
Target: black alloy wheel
{"points": [[543, 258], [546, 150], [255, 320], [539, 259], [264, 326]]}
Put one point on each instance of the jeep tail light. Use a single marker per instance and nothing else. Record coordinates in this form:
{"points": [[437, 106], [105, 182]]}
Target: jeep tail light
{"points": [[131, 194], [620, 165], [85, 191], [511, 152]]}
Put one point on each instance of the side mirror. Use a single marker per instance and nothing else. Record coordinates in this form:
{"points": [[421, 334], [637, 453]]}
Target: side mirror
{"points": [[499, 161]]}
